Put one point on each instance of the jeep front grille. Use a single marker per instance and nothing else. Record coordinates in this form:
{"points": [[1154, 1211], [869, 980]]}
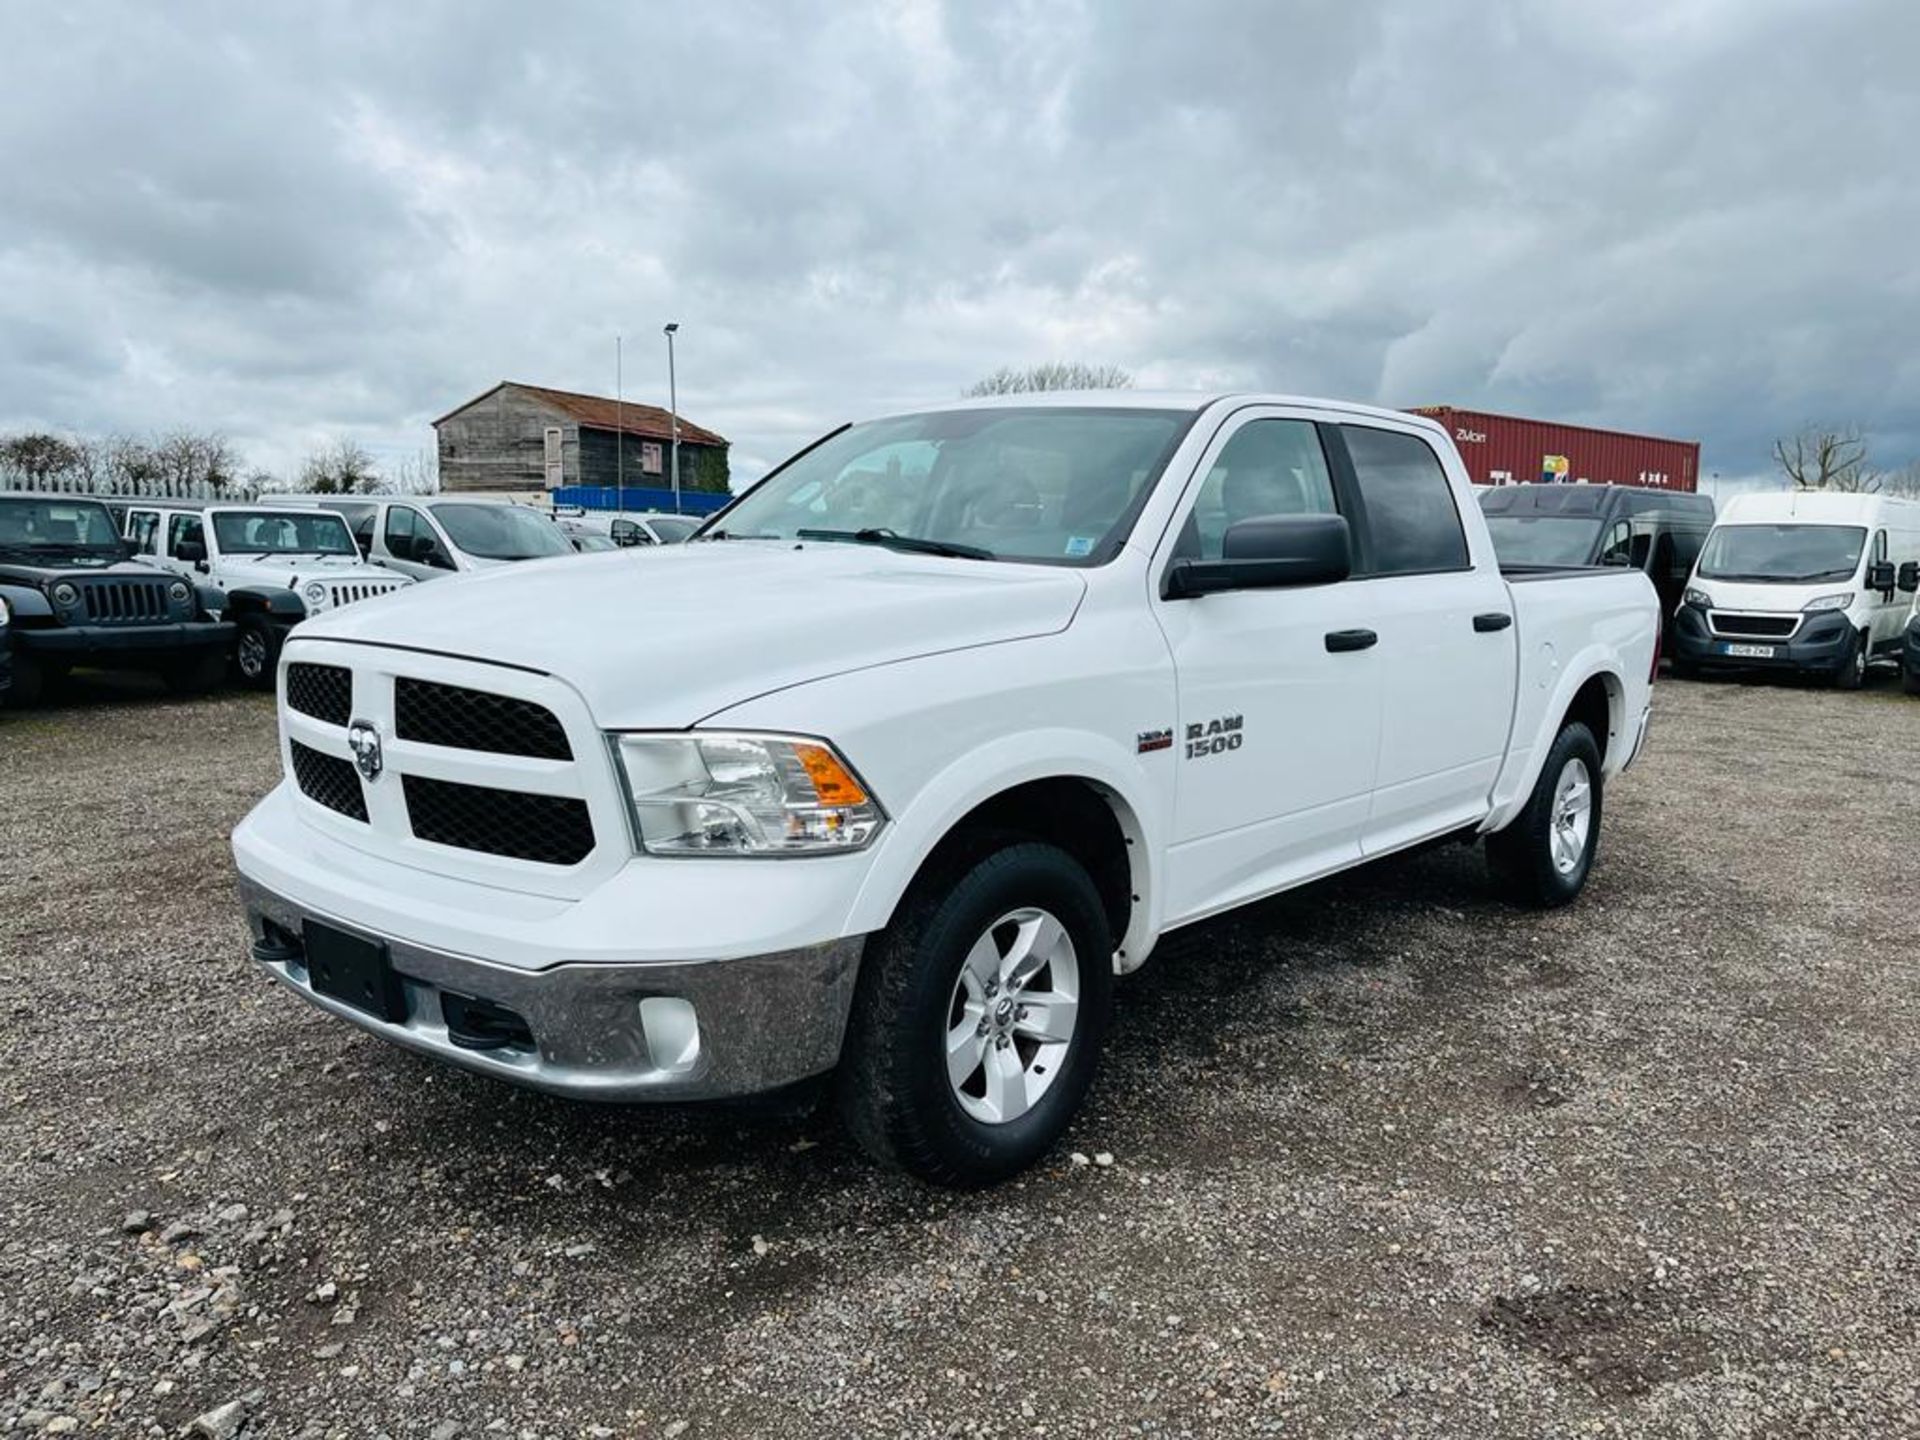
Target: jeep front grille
{"points": [[328, 780], [546, 829], [345, 592], [323, 691], [124, 602], [463, 719]]}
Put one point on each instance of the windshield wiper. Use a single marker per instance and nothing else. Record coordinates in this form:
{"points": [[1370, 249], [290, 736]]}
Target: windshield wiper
{"points": [[880, 535]]}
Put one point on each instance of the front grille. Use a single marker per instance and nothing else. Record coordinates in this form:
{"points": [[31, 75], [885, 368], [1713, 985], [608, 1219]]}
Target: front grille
{"points": [[547, 829], [323, 691], [463, 719], [328, 780], [345, 592], [125, 602], [1759, 627]]}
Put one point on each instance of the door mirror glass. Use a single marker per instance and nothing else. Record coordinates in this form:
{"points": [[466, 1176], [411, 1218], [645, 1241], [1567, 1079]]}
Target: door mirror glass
{"points": [[1880, 575], [1268, 552]]}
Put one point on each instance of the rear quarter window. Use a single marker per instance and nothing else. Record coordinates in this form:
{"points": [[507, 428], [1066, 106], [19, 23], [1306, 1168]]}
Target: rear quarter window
{"points": [[1411, 516]]}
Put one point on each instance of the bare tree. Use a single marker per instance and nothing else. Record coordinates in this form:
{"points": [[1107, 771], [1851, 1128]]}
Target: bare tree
{"points": [[1827, 457], [189, 461], [342, 468], [1904, 481], [1054, 375], [36, 460]]}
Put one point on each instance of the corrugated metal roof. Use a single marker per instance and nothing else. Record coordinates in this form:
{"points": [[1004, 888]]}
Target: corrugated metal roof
{"points": [[602, 412]]}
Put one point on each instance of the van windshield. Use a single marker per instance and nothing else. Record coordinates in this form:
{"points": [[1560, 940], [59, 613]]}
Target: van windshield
{"points": [[501, 532], [1543, 539], [1782, 554], [1044, 484]]}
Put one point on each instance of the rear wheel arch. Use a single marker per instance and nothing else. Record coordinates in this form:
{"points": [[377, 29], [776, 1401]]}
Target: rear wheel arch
{"points": [[1599, 704]]}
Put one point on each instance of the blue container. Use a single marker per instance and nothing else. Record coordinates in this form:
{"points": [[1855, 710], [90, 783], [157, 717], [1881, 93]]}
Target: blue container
{"points": [[638, 497]]}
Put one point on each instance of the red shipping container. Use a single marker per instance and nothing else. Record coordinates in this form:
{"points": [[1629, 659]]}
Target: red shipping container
{"points": [[1505, 450]]}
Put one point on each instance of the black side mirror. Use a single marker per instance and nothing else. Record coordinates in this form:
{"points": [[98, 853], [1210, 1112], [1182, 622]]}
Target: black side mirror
{"points": [[1909, 577], [194, 552], [427, 551], [1880, 575], [1268, 552], [1618, 559]]}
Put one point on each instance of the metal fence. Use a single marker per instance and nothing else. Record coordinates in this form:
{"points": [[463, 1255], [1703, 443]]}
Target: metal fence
{"points": [[154, 489]]}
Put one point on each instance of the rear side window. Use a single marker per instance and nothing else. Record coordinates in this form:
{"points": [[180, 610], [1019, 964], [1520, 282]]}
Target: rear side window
{"points": [[1410, 510]]}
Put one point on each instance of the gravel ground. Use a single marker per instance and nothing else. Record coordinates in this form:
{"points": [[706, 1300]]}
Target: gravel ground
{"points": [[1379, 1158]]}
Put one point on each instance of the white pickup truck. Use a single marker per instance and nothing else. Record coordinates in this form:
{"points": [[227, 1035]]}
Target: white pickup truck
{"points": [[922, 741]]}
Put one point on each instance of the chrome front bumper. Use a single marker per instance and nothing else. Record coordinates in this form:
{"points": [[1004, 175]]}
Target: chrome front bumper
{"points": [[599, 1030]]}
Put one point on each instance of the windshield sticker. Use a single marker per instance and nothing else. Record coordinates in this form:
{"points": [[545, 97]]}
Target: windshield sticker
{"points": [[1080, 545]]}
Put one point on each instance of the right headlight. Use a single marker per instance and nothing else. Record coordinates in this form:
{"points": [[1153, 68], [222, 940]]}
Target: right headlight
{"points": [[729, 793], [1696, 597]]}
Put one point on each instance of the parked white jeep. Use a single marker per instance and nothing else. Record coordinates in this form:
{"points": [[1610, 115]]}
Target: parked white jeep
{"points": [[917, 746], [277, 566]]}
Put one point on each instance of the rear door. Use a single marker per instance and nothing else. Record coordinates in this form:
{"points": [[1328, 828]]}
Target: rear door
{"points": [[1447, 651], [1276, 732]]}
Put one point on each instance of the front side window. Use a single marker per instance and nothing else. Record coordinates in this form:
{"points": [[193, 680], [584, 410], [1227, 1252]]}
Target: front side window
{"points": [[1268, 467], [501, 532], [400, 532], [1782, 554], [185, 530], [1046, 485], [1410, 510], [272, 532]]}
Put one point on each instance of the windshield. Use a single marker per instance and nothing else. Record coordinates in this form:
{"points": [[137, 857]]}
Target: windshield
{"points": [[1782, 554], [1055, 486], [270, 532], [672, 529], [79, 528], [502, 532], [1543, 539]]}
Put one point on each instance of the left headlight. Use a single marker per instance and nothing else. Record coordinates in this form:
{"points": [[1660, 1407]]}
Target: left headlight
{"points": [[1828, 602], [723, 793]]}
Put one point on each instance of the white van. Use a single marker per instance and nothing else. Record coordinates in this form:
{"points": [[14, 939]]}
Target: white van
{"points": [[1804, 581], [426, 536]]}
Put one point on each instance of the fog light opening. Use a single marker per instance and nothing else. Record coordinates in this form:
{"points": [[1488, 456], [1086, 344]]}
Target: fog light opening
{"points": [[673, 1033]]}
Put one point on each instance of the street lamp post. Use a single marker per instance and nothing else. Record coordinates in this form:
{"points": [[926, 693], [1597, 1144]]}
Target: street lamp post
{"points": [[673, 414]]}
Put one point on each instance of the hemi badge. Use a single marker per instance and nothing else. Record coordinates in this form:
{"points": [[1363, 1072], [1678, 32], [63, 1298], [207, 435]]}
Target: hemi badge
{"points": [[1151, 740]]}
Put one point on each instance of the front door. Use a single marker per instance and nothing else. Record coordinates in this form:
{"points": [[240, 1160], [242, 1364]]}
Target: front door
{"points": [[1278, 728]]}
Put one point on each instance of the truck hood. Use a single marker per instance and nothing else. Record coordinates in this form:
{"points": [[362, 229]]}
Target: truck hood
{"points": [[286, 571], [664, 636]]}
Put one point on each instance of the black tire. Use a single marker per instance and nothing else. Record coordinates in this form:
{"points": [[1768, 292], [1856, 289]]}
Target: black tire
{"points": [[256, 652], [196, 674], [1523, 856], [893, 1090], [1853, 665], [29, 682]]}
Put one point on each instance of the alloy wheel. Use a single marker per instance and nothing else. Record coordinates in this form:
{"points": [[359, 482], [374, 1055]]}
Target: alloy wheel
{"points": [[1011, 1020], [1572, 821]]}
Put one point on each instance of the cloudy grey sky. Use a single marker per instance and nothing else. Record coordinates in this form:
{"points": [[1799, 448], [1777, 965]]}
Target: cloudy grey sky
{"points": [[1693, 217]]}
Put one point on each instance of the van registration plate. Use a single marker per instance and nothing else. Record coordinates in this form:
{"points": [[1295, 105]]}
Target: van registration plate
{"points": [[1748, 652]]}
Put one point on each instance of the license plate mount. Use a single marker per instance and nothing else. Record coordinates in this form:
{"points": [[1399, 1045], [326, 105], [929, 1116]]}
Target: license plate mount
{"points": [[353, 971]]}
